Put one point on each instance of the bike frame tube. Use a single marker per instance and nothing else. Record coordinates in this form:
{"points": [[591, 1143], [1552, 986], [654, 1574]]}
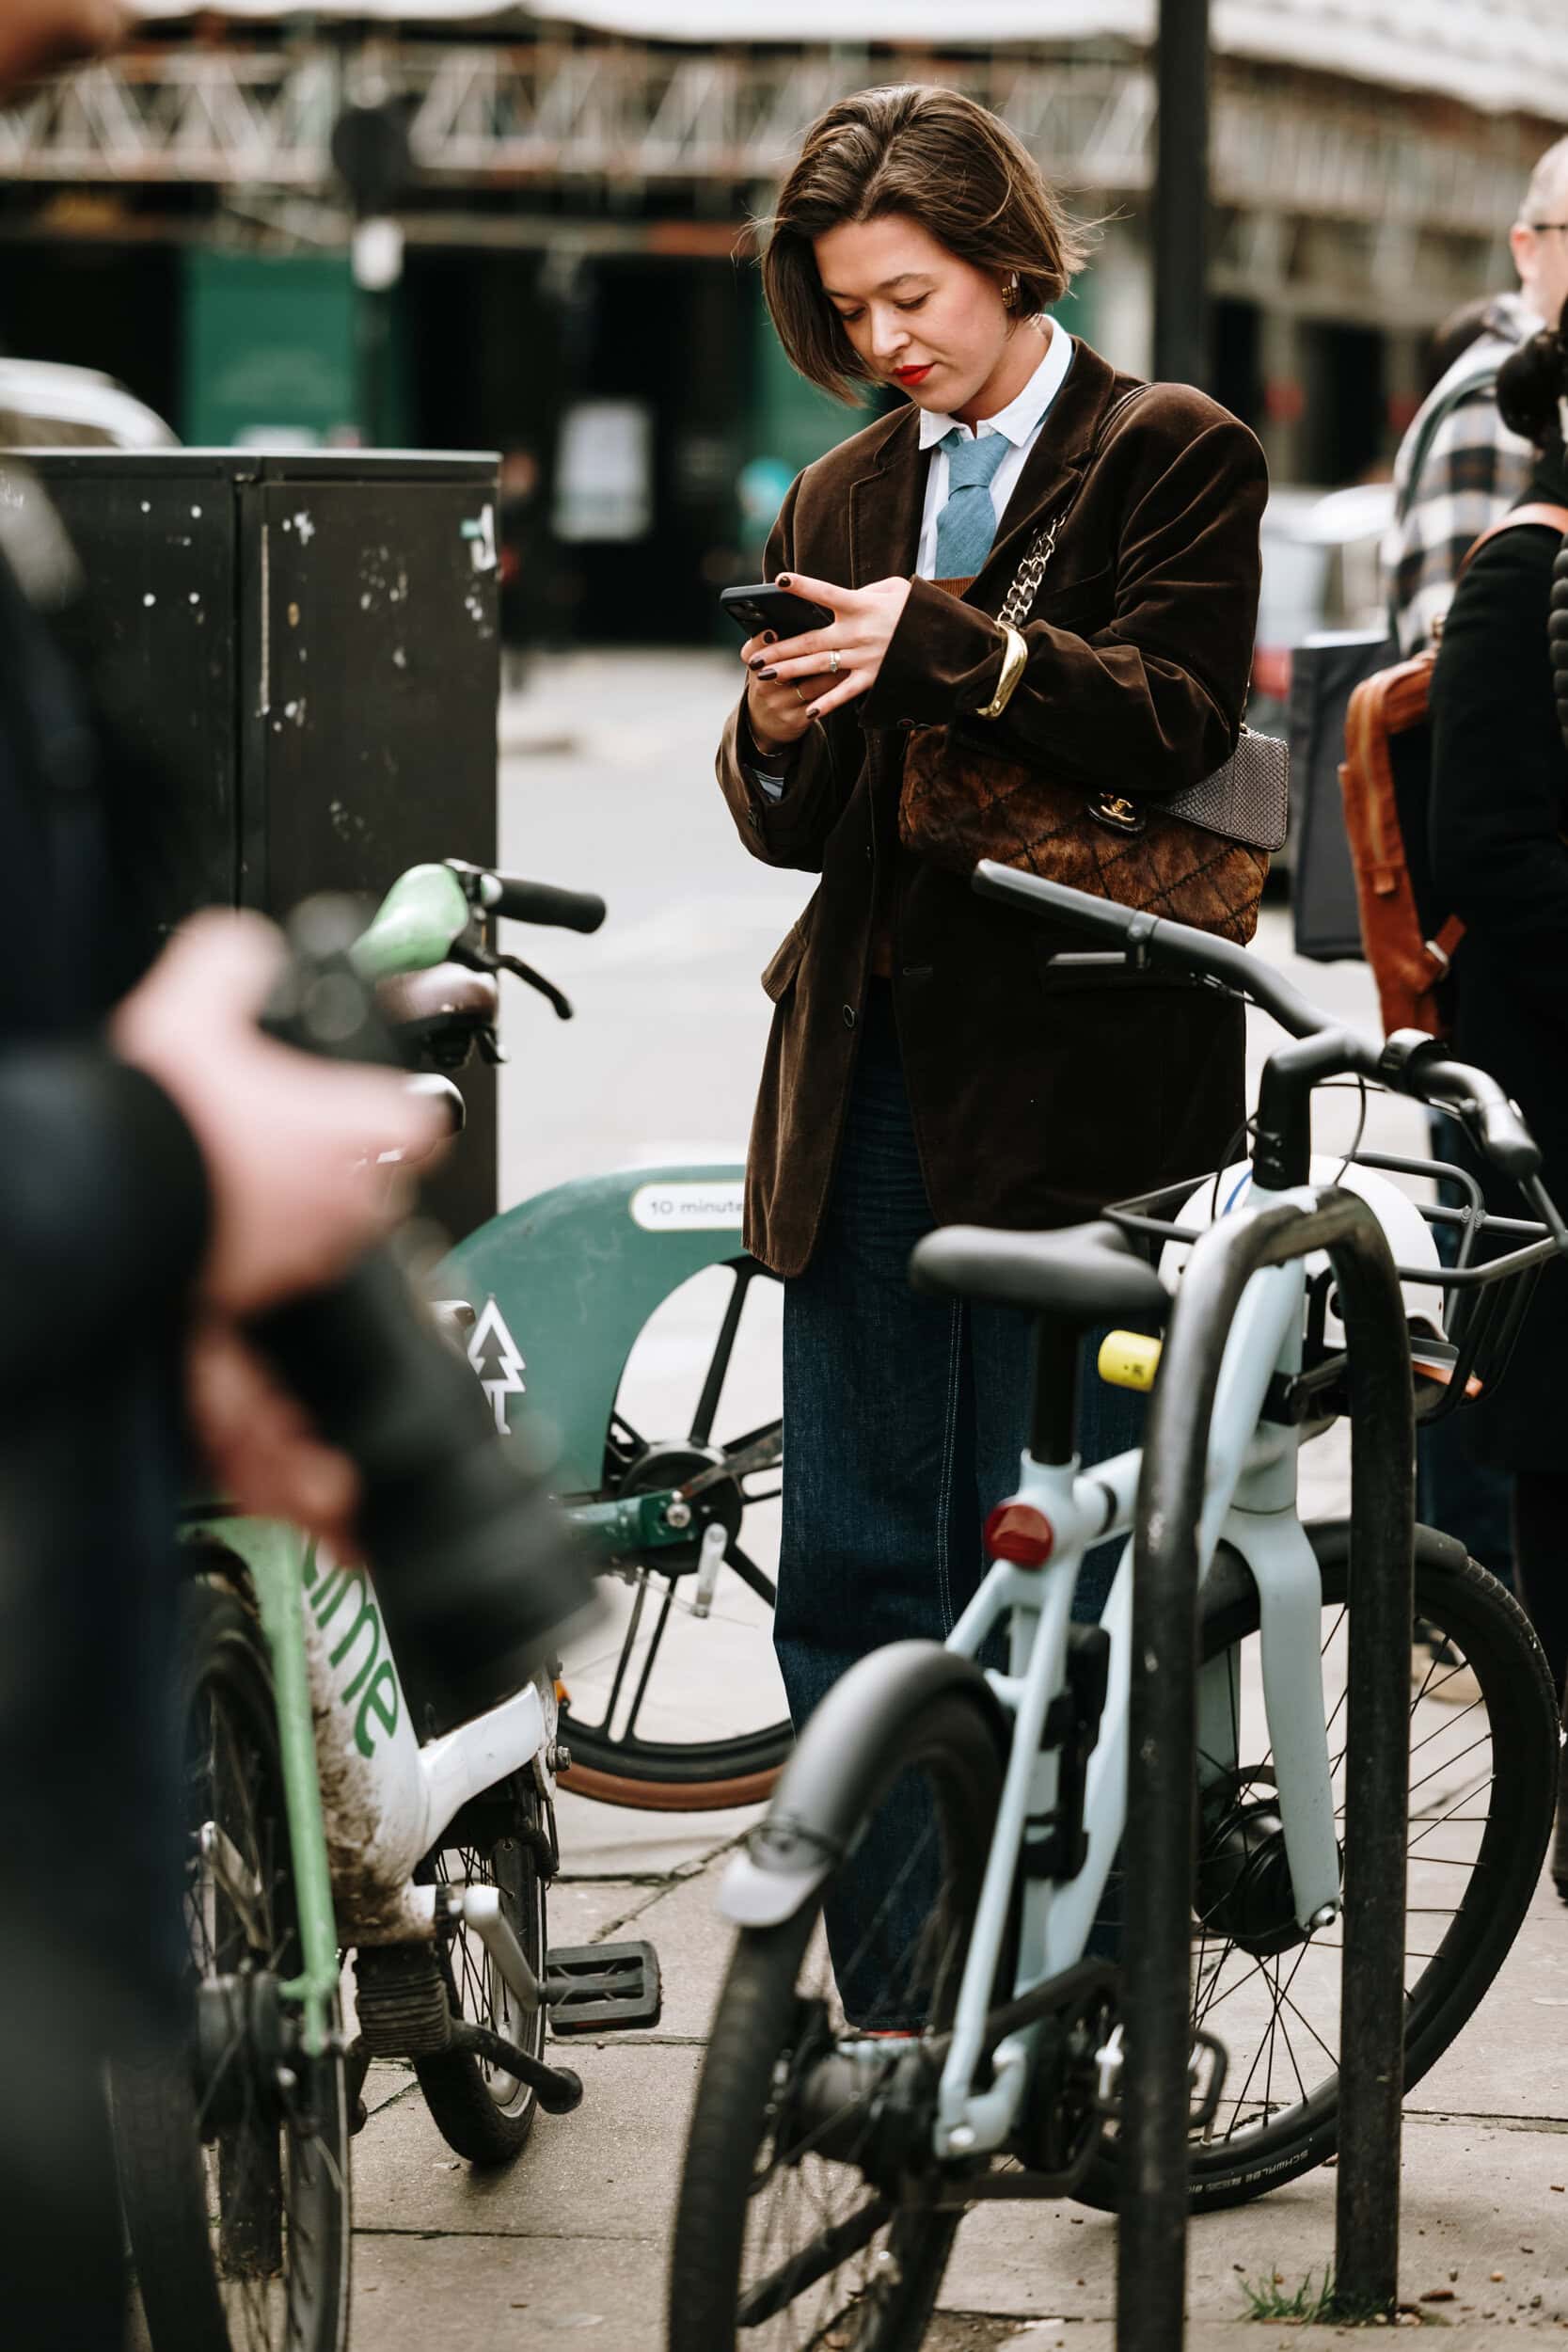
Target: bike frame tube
{"points": [[365, 1801], [1247, 1464], [275, 1556], [1152, 2250]]}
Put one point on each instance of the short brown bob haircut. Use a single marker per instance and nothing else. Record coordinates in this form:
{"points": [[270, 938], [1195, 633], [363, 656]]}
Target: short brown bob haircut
{"points": [[949, 164]]}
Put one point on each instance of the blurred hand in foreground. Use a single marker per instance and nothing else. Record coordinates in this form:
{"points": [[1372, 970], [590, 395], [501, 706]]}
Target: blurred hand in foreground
{"points": [[37, 36], [301, 1159], [260, 1445], [299, 1153]]}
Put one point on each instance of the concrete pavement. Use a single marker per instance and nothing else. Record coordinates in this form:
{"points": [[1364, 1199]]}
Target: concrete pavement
{"points": [[608, 784], [574, 2237]]}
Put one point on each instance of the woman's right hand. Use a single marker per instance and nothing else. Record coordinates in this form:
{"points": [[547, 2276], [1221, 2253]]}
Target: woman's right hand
{"points": [[776, 714]]}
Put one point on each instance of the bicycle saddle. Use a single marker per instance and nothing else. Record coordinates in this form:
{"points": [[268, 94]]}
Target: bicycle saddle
{"points": [[445, 991], [1087, 1274]]}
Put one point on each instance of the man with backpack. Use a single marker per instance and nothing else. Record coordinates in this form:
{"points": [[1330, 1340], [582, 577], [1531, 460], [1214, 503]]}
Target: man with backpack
{"points": [[1459, 467]]}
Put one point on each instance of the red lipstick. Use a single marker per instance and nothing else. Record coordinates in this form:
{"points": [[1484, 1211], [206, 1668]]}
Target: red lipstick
{"points": [[914, 376]]}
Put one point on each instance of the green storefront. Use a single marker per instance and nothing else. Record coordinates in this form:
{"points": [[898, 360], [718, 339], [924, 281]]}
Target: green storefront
{"points": [[287, 350]]}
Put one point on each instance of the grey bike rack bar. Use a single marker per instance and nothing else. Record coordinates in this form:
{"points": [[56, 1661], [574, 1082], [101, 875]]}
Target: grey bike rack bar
{"points": [[1160, 1836]]}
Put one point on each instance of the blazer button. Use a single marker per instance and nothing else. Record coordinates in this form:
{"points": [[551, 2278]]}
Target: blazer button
{"points": [[849, 1016]]}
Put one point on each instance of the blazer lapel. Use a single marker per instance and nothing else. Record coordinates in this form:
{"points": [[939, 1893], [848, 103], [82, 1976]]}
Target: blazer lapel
{"points": [[886, 504], [1052, 472]]}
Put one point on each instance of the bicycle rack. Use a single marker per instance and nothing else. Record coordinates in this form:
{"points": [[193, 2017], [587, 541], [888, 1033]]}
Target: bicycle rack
{"points": [[1161, 1833]]}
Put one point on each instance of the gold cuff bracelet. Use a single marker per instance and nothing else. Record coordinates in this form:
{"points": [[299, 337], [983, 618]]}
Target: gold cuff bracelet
{"points": [[1013, 659]]}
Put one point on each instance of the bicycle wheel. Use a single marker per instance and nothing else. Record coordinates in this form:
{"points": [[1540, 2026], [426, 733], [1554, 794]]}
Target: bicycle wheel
{"points": [[1481, 1788], [233, 2153], [480, 2111], [777, 2243], [667, 1710]]}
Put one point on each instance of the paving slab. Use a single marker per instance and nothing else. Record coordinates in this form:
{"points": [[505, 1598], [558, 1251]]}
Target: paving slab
{"points": [[1512, 2059], [1477, 2199], [587, 1911], [608, 2171], [612, 1841], [693, 1945], [504, 2293]]}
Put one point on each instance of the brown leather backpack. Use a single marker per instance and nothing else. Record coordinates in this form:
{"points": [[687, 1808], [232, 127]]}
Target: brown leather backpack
{"points": [[1385, 780]]}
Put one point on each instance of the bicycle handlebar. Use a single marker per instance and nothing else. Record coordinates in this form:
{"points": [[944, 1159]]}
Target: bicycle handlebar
{"points": [[1410, 1062], [1155, 939], [522, 902]]}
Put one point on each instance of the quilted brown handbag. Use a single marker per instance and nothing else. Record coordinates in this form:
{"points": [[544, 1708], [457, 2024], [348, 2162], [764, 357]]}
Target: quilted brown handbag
{"points": [[1199, 856]]}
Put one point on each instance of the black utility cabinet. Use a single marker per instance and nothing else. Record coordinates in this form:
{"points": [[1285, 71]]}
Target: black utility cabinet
{"points": [[308, 645]]}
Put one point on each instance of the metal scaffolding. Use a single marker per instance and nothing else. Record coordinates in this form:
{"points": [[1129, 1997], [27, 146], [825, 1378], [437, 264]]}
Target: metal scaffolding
{"points": [[621, 116]]}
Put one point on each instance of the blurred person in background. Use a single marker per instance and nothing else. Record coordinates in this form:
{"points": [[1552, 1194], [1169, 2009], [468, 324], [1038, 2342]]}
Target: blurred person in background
{"points": [[520, 529], [1500, 812], [165, 1173], [925, 1065], [1459, 469], [1471, 468]]}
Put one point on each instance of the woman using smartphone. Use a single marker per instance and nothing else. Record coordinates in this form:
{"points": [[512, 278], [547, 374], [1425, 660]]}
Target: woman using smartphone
{"points": [[927, 1064]]}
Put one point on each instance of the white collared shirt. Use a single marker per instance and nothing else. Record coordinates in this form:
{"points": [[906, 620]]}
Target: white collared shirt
{"points": [[1020, 421]]}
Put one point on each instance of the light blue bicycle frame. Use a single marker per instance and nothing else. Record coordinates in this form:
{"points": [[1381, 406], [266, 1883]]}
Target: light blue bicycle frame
{"points": [[1249, 1505]]}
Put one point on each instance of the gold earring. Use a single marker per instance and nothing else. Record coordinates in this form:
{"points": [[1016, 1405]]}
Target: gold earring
{"points": [[1009, 291]]}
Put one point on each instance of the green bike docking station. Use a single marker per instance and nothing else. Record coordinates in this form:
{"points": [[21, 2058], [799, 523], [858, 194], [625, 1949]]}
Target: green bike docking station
{"points": [[560, 1286]]}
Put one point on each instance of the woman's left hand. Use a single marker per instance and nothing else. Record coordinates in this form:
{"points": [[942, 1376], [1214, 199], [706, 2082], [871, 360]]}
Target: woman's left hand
{"points": [[862, 626]]}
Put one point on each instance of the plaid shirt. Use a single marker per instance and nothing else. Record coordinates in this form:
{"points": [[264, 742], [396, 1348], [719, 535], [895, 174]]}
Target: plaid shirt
{"points": [[1473, 472]]}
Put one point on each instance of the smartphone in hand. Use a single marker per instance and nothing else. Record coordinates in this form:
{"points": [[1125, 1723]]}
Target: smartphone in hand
{"points": [[767, 607]]}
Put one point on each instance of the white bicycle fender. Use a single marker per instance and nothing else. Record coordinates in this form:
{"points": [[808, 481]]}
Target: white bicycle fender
{"points": [[753, 1897]]}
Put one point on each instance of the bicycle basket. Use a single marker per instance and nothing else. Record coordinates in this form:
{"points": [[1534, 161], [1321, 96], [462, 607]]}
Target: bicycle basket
{"points": [[1487, 1269]]}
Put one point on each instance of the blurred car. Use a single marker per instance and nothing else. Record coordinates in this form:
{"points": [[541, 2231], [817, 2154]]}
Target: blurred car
{"points": [[1320, 571], [46, 404]]}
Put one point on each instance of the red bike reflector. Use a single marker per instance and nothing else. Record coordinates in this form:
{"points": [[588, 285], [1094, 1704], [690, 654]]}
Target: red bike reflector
{"points": [[1017, 1532]]}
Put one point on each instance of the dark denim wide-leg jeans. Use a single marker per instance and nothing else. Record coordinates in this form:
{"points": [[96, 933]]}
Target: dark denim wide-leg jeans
{"points": [[904, 1421]]}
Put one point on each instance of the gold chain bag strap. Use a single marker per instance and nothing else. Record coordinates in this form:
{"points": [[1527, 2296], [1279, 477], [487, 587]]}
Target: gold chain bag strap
{"points": [[1199, 855]]}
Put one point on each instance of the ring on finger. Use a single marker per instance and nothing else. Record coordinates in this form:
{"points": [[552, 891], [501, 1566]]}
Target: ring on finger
{"points": [[798, 696], [833, 659]]}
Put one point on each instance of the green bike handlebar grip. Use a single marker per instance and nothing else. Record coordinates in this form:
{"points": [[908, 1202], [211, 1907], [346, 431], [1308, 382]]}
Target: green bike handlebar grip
{"points": [[475, 1569]]}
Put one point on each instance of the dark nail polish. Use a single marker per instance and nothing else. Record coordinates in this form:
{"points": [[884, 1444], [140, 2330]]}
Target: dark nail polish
{"points": [[783, 580], [770, 636], [768, 676], [758, 660]]}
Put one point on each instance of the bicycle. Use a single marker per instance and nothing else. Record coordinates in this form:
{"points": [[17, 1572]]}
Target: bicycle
{"points": [[571, 1291], [331, 1807], [962, 2041]]}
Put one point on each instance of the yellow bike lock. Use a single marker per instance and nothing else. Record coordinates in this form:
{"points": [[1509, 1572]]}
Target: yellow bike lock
{"points": [[1129, 1359]]}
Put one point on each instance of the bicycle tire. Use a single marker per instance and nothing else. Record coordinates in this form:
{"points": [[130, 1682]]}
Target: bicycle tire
{"points": [[193, 2297], [758, 2016], [664, 1775], [1487, 1629], [482, 2113]]}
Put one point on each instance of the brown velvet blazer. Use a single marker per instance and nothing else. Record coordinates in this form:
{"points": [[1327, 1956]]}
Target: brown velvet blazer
{"points": [[1038, 1094]]}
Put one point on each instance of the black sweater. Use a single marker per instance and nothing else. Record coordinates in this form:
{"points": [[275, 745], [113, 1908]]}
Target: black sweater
{"points": [[102, 1222], [1499, 806]]}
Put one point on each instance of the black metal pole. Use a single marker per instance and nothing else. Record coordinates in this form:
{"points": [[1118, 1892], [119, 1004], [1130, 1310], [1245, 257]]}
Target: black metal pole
{"points": [[1377, 1797], [1181, 194], [1161, 1732]]}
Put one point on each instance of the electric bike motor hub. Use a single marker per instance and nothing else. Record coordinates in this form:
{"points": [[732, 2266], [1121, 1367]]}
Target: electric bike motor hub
{"points": [[664, 1467], [1245, 1892]]}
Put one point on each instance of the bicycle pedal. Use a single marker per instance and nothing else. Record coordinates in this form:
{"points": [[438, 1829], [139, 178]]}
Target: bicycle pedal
{"points": [[602, 1988]]}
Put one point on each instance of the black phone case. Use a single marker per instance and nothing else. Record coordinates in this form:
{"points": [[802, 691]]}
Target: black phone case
{"points": [[767, 607]]}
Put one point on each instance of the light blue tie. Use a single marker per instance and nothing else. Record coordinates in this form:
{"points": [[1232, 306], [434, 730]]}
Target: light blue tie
{"points": [[967, 523]]}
